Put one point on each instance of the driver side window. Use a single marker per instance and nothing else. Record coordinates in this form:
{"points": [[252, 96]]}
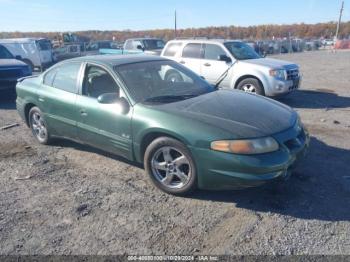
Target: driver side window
{"points": [[98, 81]]}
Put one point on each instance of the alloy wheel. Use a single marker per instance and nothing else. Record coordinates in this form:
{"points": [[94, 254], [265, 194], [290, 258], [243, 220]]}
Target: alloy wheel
{"points": [[38, 126], [171, 167], [249, 88]]}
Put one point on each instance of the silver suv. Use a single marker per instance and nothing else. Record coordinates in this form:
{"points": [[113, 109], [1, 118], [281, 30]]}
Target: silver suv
{"points": [[233, 64], [150, 46]]}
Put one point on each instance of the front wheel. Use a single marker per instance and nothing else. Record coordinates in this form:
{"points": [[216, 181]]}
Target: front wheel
{"points": [[38, 125], [251, 85], [170, 166]]}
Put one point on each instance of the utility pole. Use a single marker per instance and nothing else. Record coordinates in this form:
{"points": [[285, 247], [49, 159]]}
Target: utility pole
{"points": [[339, 22], [175, 29]]}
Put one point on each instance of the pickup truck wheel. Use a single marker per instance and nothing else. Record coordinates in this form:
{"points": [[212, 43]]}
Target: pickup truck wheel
{"points": [[251, 85], [38, 125], [170, 166]]}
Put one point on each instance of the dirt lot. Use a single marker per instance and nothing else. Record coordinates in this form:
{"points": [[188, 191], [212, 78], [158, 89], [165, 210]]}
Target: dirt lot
{"points": [[77, 200]]}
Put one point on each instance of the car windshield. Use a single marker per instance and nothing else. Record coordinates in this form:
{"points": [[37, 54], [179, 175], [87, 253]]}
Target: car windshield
{"points": [[152, 44], [161, 82], [241, 51], [4, 53]]}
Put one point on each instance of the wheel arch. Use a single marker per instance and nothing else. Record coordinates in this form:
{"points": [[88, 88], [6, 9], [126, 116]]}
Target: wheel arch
{"points": [[27, 108], [148, 137], [240, 79]]}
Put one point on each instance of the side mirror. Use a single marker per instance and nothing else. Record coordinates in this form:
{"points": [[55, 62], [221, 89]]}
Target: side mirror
{"points": [[112, 98], [224, 58], [140, 47], [18, 57], [108, 98]]}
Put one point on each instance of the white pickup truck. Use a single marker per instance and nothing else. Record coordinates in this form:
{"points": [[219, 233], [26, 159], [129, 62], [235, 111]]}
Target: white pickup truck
{"points": [[235, 65]]}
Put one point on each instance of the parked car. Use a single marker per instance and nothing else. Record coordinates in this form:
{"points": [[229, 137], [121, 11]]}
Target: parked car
{"points": [[187, 134], [234, 65], [150, 46], [328, 42], [11, 69], [35, 52]]}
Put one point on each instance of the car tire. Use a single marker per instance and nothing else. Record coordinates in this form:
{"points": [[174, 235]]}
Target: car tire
{"points": [[38, 126], [170, 166], [251, 85], [173, 76]]}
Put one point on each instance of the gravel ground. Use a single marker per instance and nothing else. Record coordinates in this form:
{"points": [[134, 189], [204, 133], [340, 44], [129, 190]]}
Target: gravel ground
{"points": [[73, 199]]}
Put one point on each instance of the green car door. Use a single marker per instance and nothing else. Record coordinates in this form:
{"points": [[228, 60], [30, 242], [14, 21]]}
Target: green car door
{"points": [[57, 97], [102, 125]]}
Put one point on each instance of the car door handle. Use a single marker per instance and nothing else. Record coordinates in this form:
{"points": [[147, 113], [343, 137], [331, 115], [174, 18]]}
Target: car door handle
{"points": [[182, 62], [207, 64], [41, 99], [83, 112]]}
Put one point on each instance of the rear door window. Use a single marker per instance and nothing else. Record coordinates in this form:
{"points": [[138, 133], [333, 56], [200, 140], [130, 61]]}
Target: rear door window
{"points": [[192, 51], [66, 77], [172, 49], [50, 76]]}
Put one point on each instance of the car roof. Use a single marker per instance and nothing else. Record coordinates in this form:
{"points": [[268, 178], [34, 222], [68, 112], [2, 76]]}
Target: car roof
{"points": [[143, 38], [116, 60], [21, 40], [222, 41]]}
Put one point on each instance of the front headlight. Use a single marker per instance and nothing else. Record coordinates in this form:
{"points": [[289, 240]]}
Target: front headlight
{"points": [[246, 147], [279, 74]]}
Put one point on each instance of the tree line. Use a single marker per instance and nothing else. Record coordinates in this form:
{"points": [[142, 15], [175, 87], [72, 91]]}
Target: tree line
{"points": [[320, 30]]}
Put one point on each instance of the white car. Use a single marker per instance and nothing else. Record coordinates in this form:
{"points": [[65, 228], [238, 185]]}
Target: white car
{"points": [[233, 65], [150, 46], [35, 52]]}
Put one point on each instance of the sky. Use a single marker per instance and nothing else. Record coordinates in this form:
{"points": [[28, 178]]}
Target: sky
{"points": [[76, 15]]}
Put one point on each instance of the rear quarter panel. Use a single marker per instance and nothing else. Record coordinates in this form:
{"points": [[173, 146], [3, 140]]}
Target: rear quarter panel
{"points": [[27, 95]]}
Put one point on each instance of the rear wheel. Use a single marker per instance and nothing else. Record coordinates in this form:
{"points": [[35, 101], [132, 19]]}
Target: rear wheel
{"points": [[251, 85], [170, 166], [38, 125]]}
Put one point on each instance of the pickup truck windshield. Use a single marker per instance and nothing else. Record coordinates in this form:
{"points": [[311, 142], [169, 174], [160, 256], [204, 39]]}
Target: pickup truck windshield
{"points": [[4, 53], [241, 51], [161, 82], [153, 44]]}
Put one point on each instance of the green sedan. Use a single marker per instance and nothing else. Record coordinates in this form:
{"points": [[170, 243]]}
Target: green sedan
{"points": [[186, 133]]}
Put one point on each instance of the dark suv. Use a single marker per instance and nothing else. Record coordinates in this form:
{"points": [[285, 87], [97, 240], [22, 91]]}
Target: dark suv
{"points": [[11, 69]]}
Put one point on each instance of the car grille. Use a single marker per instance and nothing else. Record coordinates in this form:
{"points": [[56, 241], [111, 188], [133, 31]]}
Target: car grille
{"points": [[293, 74], [10, 73]]}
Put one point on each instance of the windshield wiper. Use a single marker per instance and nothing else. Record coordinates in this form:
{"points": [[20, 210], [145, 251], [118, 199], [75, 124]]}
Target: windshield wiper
{"points": [[169, 98]]}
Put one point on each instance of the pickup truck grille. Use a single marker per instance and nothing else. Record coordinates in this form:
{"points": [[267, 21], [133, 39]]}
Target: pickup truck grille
{"points": [[293, 74]]}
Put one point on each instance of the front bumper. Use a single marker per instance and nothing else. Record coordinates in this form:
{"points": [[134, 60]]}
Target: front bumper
{"points": [[221, 171], [282, 87]]}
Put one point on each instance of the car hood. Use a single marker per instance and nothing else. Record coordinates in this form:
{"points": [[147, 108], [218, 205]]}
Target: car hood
{"points": [[11, 63], [270, 63], [239, 114]]}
